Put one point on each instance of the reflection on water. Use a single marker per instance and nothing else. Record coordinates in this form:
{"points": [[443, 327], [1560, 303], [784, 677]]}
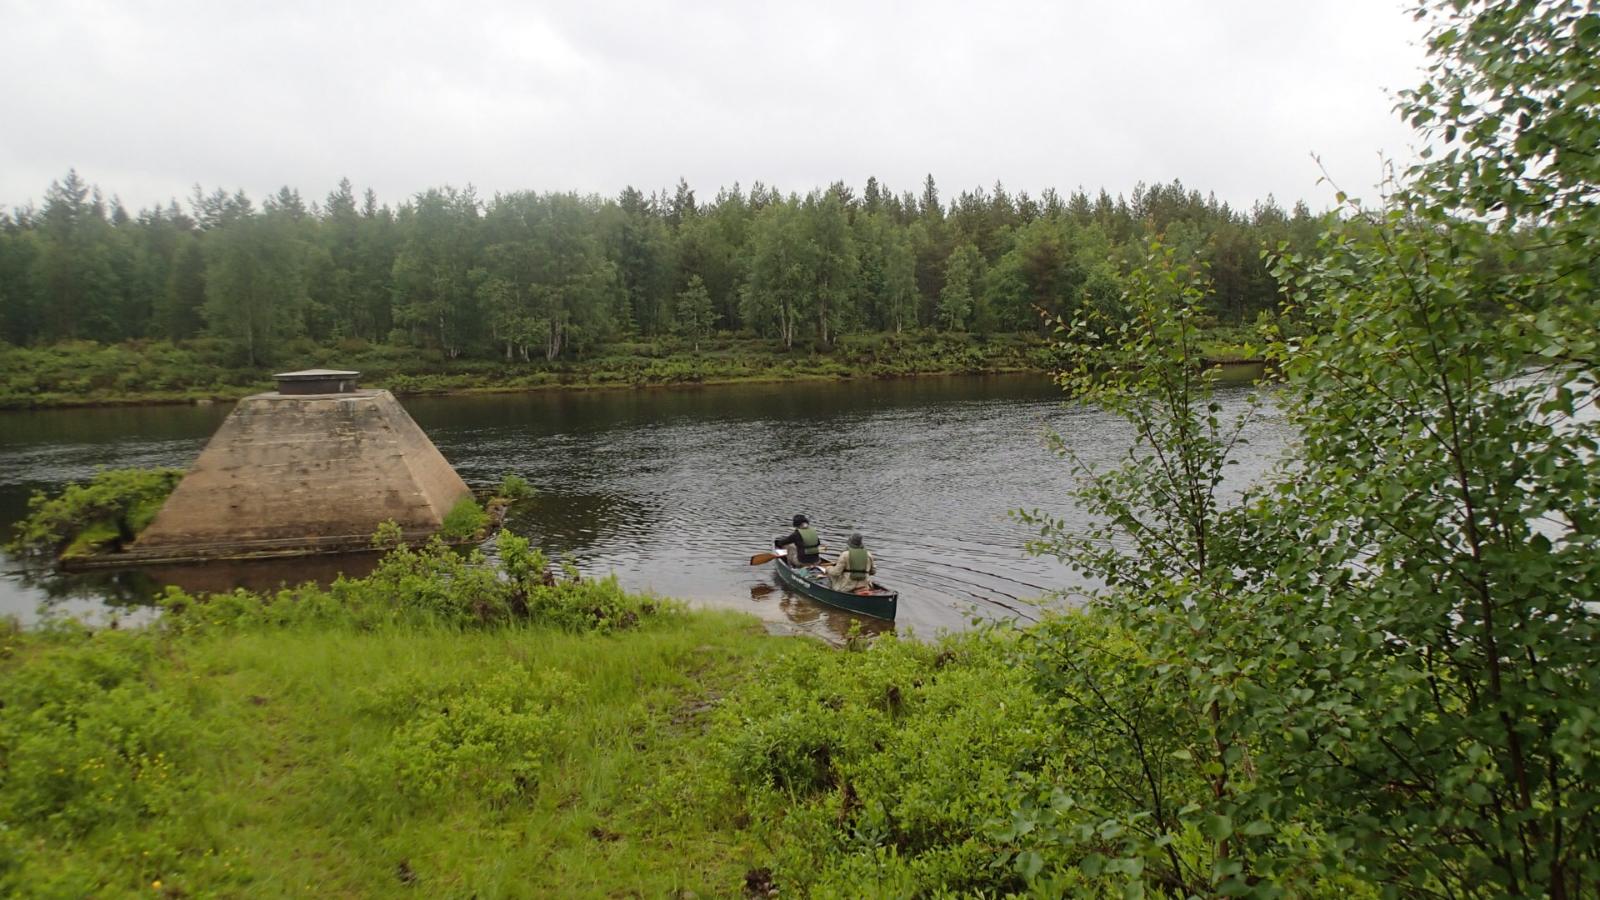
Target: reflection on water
{"points": [[261, 574], [675, 489], [117, 596], [772, 601], [577, 522]]}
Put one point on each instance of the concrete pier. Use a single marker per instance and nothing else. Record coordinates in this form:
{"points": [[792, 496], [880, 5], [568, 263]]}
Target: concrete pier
{"points": [[304, 472]]}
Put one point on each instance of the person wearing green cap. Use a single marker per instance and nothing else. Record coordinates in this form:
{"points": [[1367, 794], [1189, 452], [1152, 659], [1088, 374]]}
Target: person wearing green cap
{"points": [[854, 568]]}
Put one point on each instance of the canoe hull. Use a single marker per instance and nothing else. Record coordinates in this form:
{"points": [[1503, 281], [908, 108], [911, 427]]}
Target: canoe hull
{"points": [[878, 606]]}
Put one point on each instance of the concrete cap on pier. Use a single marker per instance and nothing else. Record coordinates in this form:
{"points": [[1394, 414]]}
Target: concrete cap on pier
{"points": [[317, 381]]}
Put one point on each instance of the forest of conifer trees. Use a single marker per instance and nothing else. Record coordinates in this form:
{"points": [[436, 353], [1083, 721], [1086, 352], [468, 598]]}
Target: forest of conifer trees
{"points": [[541, 276]]}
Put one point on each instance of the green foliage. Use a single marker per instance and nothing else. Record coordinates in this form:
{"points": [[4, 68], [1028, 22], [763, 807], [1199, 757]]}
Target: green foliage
{"points": [[1450, 500], [1374, 675], [92, 752], [530, 278], [432, 585], [434, 270], [1406, 604], [548, 284], [255, 284], [576, 604], [86, 743], [962, 272], [216, 753], [465, 521], [203, 370], [82, 371], [388, 535], [114, 506], [1058, 268], [488, 737], [97, 536], [695, 317], [885, 768], [1178, 739], [514, 487], [981, 765]]}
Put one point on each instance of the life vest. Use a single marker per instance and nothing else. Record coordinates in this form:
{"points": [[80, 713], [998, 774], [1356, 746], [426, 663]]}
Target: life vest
{"points": [[857, 562], [810, 542]]}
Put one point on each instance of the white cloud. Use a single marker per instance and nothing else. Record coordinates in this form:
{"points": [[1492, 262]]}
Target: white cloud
{"points": [[148, 98]]}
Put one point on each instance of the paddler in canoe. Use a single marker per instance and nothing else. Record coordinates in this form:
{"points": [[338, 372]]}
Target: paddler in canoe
{"points": [[804, 543], [852, 572]]}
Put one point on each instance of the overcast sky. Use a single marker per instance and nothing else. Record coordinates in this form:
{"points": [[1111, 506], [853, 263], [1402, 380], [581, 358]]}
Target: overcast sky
{"points": [[1233, 96]]}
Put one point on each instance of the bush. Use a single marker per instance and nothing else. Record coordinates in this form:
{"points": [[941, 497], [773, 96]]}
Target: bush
{"points": [[430, 585], [113, 507], [986, 765], [885, 771], [466, 521], [488, 738], [514, 487], [85, 743]]}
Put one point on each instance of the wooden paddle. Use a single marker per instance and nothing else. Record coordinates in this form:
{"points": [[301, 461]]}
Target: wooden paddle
{"points": [[761, 559]]}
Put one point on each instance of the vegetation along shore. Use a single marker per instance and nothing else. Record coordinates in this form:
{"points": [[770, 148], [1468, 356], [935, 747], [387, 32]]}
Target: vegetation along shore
{"points": [[199, 371]]}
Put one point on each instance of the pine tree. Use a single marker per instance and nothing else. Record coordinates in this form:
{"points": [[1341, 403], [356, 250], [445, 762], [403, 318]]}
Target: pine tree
{"points": [[179, 314], [956, 299], [694, 315]]}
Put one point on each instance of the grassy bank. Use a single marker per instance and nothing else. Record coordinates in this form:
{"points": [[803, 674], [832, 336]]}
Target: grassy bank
{"points": [[442, 724], [301, 761], [465, 729], [334, 743], [89, 374]]}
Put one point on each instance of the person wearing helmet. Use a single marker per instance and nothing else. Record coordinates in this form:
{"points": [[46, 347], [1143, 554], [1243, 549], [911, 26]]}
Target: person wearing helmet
{"points": [[854, 568], [805, 545]]}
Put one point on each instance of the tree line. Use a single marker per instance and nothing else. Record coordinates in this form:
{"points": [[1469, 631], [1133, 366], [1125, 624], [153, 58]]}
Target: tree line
{"points": [[531, 276]]}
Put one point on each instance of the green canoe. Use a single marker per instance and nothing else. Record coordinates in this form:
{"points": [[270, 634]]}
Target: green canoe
{"points": [[813, 583]]}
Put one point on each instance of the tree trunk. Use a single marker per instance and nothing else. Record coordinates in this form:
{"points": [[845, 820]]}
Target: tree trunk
{"points": [[553, 342]]}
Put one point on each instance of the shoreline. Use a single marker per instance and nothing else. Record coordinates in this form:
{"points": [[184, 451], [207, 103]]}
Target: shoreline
{"points": [[188, 399], [153, 399]]}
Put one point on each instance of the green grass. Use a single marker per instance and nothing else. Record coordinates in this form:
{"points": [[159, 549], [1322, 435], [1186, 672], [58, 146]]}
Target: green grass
{"points": [[284, 778], [94, 537], [462, 726]]}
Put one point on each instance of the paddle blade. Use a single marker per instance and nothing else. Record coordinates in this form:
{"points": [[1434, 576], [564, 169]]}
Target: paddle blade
{"points": [[761, 559]]}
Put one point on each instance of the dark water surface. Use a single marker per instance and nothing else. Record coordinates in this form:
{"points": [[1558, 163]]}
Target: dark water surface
{"points": [[673, 490]]}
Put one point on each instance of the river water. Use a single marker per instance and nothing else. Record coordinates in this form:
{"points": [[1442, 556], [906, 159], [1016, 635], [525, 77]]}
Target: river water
{"points": [[674, 489]]}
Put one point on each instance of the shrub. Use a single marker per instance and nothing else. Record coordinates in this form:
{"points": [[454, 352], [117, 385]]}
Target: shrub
{"points": [[466, 521], [85, 743], [115, 505], [487, 739], [429, 585], [887, 769], [514, 487]]}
